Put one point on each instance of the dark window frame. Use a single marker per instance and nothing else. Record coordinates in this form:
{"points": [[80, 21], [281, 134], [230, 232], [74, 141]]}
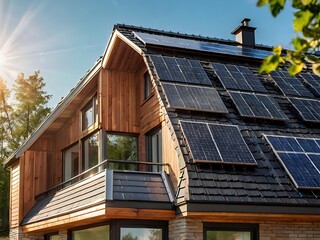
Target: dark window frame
{"points": [[69, 234], [149, 145], [253, 228], [147, 85], [48, 235], [97, 133], [117, 224]]}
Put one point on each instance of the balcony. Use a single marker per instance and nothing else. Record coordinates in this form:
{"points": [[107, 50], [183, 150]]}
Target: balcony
{"points": [[147, 187]]}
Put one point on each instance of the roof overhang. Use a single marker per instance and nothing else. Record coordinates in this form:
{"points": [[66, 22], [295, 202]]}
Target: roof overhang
{"points": [[55, 113], [111, 47]]}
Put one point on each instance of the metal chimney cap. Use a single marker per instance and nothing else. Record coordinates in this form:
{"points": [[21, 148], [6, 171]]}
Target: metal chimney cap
{"points": [[245, 22]]}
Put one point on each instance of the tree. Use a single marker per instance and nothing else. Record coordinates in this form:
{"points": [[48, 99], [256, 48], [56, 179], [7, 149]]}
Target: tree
{"points": [[30, 108], [18, 119], [306, 24]]}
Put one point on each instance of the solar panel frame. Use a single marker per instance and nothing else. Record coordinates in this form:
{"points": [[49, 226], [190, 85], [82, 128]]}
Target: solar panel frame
{"points": [[308, 109], [290, 86], [180, 70], [301, 161], [203, 46], [232, 150], [260, 106], [195, 98], [238, 78], [313, 81]]}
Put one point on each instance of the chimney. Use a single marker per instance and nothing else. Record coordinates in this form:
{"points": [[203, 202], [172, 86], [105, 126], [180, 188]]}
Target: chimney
{"points": [[245, 34]]}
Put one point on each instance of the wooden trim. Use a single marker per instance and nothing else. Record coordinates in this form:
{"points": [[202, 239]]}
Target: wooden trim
{"points": [[94, 215], [251, 217]]}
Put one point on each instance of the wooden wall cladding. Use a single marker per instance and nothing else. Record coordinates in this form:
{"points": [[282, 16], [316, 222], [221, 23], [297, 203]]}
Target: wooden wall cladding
{"points": [[33, 178], [120, 101], [14, 195]]}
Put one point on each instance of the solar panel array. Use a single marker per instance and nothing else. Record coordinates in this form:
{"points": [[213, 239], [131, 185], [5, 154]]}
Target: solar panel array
{"points": [[312, 80], [289, 85], [237, 77], [257, 106], [180, 70], [300, 157], [190, 44], [308, 109], [194, 98], [216, 143]]}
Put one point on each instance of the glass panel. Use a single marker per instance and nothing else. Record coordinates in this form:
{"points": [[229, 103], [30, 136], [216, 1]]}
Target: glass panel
{"points": [[121, 147], [140, 234], [96, 233], [53, 237], [228, 235], [90, 113], [147, 85], [90, 152], [155, 149], [71, 162]]}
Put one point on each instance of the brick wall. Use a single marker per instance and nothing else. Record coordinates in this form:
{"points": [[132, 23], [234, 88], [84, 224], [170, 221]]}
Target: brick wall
{"points": [[192, 229], [17, 234]]}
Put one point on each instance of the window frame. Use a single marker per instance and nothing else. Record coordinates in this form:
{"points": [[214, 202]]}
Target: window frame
{"points": [[93, 102], [253, 228], [63, 160], [98, 133], [147, 86], [118, 224], [71, 230], [48, 235], [149, 147]]}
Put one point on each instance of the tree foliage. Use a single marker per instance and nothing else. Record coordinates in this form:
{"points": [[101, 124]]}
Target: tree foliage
{"points": [[21, 111], [306, 44]]}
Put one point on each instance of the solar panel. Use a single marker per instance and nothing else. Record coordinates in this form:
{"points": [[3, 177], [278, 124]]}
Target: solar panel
{"points": [[216, 143], [237, 77], [200, 142], [300, 157], [257, 106], [193, 98], [289, 85], [190, 44], [313, 81], [180, 70], [308, 109]]}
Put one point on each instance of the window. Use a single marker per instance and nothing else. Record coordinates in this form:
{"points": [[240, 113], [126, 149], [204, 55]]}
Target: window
{"points": [[147, 85], [231, 231], [100, 232], [51, 236], [89, 114], [121, 147], [154, 149], [141, 230], [70, 162], [90, 150]]}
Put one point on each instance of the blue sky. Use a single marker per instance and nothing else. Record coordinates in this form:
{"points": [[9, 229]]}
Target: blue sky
{"points": [[64, 38]]}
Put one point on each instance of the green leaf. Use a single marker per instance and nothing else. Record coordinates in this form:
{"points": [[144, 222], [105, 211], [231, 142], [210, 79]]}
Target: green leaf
{"points": [[269, 64], [311, 58], [316, 68], [261, 3], [300, 44], [277, 50], [306, 2], [295, 69], [276, 6], [302, 19]]}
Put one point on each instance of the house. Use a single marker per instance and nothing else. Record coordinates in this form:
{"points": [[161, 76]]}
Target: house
{"points": [[174, 136]]}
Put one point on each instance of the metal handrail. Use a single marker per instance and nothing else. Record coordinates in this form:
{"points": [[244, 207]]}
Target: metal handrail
{"points": [[105, 162]]}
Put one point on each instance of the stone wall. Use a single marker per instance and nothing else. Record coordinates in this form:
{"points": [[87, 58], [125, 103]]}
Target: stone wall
{"points": [[17, 234]]}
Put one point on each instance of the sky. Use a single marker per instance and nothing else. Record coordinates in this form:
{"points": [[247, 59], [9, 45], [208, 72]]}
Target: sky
{"points": [[64, 38]]}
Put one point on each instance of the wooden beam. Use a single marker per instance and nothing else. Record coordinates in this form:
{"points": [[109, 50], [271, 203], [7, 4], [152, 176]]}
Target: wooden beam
{"points": [[96, 214]]}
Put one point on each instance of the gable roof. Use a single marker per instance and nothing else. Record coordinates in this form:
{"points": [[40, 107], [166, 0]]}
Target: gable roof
{"points": [[268, 182]]}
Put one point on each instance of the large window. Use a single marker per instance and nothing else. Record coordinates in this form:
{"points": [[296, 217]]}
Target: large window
{"points": [[70, 162], [154, 148], [90, 152], [231, 231], [89, 114], [140, 233], [96, 233], [51, 236], [121, 147]]}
